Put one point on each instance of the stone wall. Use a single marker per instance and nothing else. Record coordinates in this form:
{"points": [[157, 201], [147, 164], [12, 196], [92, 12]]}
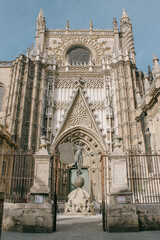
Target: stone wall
{"points": [[22, 217], [148, 216], [12, 217]]}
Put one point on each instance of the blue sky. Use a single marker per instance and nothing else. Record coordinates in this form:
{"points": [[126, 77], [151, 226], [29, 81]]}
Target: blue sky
{"points": [[18, 22]]}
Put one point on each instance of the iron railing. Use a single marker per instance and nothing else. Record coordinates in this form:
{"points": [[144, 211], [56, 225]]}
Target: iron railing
{"points": [[16, 175], [105, 186], [59, 173], [58, 184], [143, 173]]}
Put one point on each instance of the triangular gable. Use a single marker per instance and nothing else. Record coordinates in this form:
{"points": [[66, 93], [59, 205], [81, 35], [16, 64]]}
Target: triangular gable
{"points": [[79, 114]]}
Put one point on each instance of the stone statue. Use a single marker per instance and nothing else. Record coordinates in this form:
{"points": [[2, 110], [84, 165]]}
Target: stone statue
{"points": [[78, 156]]}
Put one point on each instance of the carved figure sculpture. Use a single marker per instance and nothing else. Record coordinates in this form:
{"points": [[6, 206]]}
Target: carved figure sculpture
{"points": [[78, 156]]}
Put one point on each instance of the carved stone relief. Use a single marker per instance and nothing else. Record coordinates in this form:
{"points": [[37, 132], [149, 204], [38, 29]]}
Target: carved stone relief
{"points": [[79, 116], [71, 82], [93, 43]]}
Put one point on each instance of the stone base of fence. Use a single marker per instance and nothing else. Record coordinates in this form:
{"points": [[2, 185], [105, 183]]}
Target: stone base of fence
{"points": [[19, 217], [148, 216], [37, 218], [28, 217], [122, 218], [121, 214]]}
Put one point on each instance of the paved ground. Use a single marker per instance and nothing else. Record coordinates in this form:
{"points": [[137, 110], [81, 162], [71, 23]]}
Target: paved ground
{"points": [[81, 228]]}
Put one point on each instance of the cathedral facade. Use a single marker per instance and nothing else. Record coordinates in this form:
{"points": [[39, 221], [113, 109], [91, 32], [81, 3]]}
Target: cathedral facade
{"points": [[81, 85]]}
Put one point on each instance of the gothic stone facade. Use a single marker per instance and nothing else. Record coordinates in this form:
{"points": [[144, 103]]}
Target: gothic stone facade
{"points": [[81, 85]]}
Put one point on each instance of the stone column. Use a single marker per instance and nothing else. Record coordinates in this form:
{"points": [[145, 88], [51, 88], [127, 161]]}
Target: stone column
{"points": [[38, 215], [121, 213]]}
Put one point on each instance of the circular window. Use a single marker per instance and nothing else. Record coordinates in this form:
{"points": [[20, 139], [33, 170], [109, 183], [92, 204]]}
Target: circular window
{"points": [[78, 55]]}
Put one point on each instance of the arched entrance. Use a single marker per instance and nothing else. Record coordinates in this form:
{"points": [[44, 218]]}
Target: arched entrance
{"points": [[91, 163], [91, 169]]}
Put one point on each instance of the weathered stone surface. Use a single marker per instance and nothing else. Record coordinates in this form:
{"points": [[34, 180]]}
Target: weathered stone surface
{"points": [[122, 223], [28, 217], [42, 218], [122, 218], [148, 216]]}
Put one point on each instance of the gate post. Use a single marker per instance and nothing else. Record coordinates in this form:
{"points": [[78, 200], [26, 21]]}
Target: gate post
{"points": [[38, 215], [121, 213], [1, 210]]}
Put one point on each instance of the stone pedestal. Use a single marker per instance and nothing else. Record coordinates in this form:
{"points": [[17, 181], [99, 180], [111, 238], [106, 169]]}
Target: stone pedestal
{"points": [[38, 215], [121, 213], [79, 203]]}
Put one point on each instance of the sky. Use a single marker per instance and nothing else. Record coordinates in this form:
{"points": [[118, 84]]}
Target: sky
{"points": [[18, 22]]}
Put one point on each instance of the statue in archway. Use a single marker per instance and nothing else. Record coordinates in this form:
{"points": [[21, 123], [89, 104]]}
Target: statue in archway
{"points": [[79, 149]]}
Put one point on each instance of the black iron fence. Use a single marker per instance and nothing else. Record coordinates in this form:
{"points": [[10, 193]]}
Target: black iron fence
{"points": [[58, 183], [143, 173], [16, 175], [59, 178], [105, 185], [1, 210]]}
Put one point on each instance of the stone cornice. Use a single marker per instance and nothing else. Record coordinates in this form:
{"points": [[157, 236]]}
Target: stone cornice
{"points": [[77, 32]]}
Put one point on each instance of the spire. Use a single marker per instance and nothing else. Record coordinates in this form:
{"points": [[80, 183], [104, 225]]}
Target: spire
{"points": [[124, 14], [91, 26], [32, 50], [41, 13], [115, 25], [150, 75], [67, 25], [155, 58], [156, 67], [41, 22], [146, 83], [28, 52], [127, 35], [125, 17]]}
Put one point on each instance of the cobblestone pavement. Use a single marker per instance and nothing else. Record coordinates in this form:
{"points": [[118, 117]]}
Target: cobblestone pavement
{"points": [[81, 228]]}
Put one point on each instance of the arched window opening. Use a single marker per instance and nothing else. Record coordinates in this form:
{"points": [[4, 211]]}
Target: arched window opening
{"points": [[78, 55], [1, 97]]}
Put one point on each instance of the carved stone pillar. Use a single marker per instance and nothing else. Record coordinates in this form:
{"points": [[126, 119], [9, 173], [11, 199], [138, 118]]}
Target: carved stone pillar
{"points": [[121, 213], [38, 215], [41, 173], [118, 168]]}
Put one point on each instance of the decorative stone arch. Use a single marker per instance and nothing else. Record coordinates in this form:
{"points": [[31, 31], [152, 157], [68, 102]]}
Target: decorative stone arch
{"points": [[82, 44], [92, 144], [77, 133]]}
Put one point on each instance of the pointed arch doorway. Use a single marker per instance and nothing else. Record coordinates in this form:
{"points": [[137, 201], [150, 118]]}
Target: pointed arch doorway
{"points": [[91, 163], [91, 169]]}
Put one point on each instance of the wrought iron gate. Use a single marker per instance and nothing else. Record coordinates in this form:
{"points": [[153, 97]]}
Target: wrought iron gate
{"points": [[54, 186], [58, 184], [16, 175], [143, 173], [105, 186]]}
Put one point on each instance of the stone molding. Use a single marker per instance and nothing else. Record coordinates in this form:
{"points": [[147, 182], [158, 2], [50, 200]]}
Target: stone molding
{"points": [[72, 83]]}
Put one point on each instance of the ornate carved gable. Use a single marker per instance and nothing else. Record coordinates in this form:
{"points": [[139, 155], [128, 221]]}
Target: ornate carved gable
{"points": [[79, 114]]}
